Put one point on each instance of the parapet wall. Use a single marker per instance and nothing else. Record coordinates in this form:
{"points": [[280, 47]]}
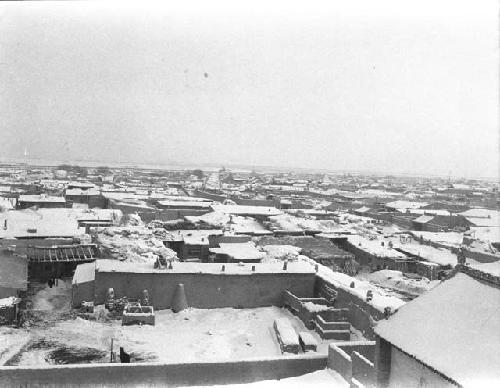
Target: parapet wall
{"points": [[170, 214], [362, 315], [353, 360], [162, 374], [206, 290]]}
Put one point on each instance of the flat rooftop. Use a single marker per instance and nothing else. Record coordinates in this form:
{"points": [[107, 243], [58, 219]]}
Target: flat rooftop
{"points": [[192, 335], [107, 265]]}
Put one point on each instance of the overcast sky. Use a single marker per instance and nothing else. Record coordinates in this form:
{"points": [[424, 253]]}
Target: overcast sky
{"points": [[391, 86]]}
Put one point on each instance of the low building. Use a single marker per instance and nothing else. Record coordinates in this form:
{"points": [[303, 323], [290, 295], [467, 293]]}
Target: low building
{"points": [[92, 197], [440, 223], [446, 337], [207, 285], [40, 201]]}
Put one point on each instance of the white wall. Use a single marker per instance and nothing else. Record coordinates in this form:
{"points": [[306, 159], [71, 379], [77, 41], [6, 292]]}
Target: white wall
{"points": [[409, 373]]}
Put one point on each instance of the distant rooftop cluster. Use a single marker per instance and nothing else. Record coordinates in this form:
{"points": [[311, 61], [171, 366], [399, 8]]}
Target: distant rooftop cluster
{"points": [[334, 268]]}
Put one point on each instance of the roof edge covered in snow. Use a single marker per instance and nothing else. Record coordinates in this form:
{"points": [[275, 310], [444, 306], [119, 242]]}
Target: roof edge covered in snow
{"points": [[459, 317]]}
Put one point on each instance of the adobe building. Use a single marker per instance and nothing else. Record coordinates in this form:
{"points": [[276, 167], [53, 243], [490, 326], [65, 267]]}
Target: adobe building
{"points": [[40, 201], [89, 196], [445, 338], [207, 285]]}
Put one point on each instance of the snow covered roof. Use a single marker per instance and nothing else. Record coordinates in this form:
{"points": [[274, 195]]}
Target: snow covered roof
{"points": [[9, 301], [451, 239], [436, 212], [178, 204], [84, 273], [375, 247], [194, 237], [50, 223], [59, 222], [247, 210], [41, 198], [439, 256], [123, 195], [77, 191], [492, 268], [423, 219], [82, 185], [491, 234], [185, 198], [454, 328], [405, 205], [461, 186], [108, 265], [240, 251], [482, 217]]}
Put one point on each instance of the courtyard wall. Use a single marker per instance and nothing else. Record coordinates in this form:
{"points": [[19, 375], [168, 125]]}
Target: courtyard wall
{"points": [[205, 290]]}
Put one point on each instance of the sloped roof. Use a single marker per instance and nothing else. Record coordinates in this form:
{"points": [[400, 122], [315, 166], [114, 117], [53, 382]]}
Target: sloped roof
{"points": [[423, 219], [454, 328]]}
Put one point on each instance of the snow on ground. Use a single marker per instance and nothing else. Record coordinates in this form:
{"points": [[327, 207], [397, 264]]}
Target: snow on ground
{"points": [[396, 280], [189, 336], [12, 340], [55, 299], [5, 204], [325, 378]]}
